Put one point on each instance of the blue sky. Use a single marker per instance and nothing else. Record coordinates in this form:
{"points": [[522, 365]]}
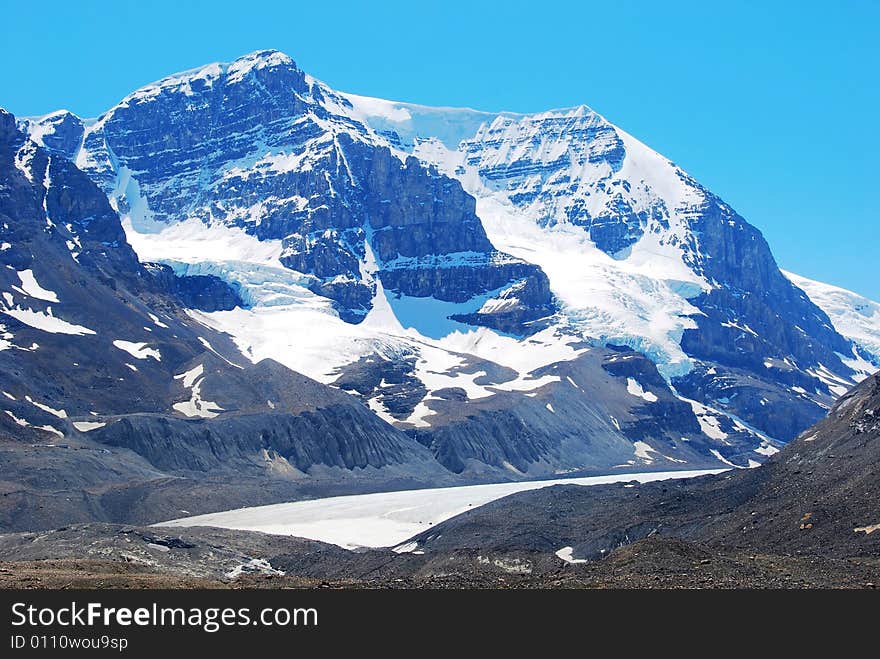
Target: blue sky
{"points": [[772, 107]]}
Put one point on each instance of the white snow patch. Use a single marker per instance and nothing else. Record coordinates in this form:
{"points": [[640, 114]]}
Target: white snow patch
{"points": [[643, 451], [836, 384], [193, 241], [195, 406], [636, 389], [708, 420], [406, 548], [867, 530], [46, 322], [86, 426], [189, 377], [5, 338], [566, 555], [61, 414], [380, 410], [720, 457], [31, 287], [20, 422], [138, 350], [258, 565], [157, 322], [51, 429]]}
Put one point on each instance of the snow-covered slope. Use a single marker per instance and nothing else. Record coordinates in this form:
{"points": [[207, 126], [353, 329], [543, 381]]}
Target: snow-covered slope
{"points": [[853, 315], [613, 223], [638, 253], [487, 282]]}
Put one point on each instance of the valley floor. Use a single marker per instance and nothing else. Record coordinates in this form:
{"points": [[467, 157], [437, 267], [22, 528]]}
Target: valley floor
{"points": [[655, 563], [385, 519]]}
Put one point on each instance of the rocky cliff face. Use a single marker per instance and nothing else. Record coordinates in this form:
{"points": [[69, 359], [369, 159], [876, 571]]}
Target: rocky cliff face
{"points": [[202, 292], [532, 159], [755, 321]]}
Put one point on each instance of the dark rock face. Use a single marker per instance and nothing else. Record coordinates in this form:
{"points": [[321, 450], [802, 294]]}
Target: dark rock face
{"points": [[525, 304], [774, 407], [753, 288], [203, 292], [757, 322], [206, 293], [414, 211], [666, 415], [392, 381], [585, 421], [341, 436]]}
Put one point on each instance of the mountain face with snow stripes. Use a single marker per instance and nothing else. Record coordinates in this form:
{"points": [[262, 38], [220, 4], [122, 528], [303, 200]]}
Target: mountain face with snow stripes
{"points": [[111, 393], [522, 294], [256, 145]]}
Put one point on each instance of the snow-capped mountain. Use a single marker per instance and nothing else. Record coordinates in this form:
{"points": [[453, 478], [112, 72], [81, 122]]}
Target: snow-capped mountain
{"points": [[522, 294], [853, 315]]}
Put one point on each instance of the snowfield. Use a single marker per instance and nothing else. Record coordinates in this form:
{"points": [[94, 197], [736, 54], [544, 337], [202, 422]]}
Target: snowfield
{"points": [[387, 519]]}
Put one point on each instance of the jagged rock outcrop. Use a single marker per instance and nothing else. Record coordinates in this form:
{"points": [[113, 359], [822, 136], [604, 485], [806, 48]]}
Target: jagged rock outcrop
{"points": [[203, 292]]}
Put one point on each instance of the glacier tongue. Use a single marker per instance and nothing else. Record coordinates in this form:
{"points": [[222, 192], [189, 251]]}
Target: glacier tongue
{"points": [[608, 300]]}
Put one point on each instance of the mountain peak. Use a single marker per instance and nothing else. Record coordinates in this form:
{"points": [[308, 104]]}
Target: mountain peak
{"points": [[267, 56], [192, 80], [259, 59], [7, 125]]}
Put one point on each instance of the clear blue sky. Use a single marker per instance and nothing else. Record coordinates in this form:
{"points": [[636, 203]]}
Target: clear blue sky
{"points": [[774, 106]]}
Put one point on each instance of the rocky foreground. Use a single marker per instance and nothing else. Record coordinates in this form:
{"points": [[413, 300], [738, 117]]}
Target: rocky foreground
{"points": [[98, 556]]}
